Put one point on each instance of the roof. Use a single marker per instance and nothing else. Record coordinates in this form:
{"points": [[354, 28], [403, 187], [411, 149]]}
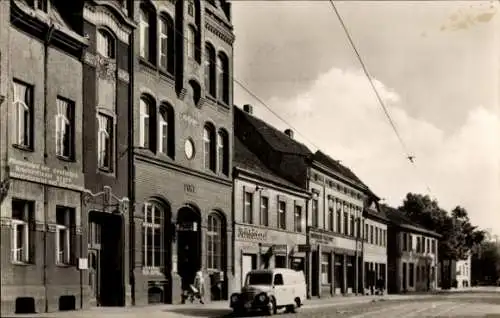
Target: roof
{"points": [[380, 214], [245, 159], [399, 219], [277, 139]]}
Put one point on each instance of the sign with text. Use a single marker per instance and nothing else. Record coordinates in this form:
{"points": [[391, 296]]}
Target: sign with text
{"points": [[280, 249], [189, 188], [321, 238], [251, 234], [38, 173]]}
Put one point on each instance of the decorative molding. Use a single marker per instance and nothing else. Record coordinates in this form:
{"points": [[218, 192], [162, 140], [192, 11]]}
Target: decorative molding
{"points": [[214, 27], [78, 230], [5, 222], [201, 102], [101, 16], [106, 68], [123, 76], [90, 59], [51, 228], [182, 93], [40, 227]]}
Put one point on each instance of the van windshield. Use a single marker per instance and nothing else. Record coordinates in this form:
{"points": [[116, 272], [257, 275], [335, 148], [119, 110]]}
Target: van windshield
{"points": [[259, 279]]}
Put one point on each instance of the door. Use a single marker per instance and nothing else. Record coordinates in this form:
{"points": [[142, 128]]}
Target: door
{"points": [[281, 291], [248, 262], [94, 249], [404, 277]]}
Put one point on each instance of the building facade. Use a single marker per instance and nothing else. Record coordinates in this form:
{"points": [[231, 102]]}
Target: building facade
{"points": [[181, 186], [412, 255], [335, 234], [374, 248], [42, 156], [108, 26], [269, 218], [463, 273]]}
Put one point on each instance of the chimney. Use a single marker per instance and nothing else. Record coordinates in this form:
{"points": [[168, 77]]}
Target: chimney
{"points": [[289, 133], [248, 109]]}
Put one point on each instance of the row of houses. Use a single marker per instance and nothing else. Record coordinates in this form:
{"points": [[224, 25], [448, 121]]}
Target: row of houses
{"points": [[125, 168]]}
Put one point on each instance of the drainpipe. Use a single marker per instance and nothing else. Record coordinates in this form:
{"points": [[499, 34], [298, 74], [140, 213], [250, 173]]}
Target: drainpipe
{"points": [[308, 244], [48, 38]]}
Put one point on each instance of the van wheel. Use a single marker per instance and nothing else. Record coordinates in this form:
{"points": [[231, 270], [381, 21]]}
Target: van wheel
{"points": [[273, 310], [298, 304]]}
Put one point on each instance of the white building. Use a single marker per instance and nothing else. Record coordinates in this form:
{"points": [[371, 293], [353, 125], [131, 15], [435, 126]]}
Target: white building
{"points": [[463, 272]]}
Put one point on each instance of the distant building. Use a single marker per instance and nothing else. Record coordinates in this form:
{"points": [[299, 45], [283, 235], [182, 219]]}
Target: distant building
{"points": [[269, 217], [463, 272], [412, 253]]}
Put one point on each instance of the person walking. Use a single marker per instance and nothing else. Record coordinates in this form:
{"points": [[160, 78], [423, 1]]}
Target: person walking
{"points": [[199, 284]]}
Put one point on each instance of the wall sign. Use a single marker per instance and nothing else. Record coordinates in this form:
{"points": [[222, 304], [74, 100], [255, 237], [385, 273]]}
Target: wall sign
{"points": [[320, 238], [190, 188], [251, 234], [38, 173], [189, 119]]}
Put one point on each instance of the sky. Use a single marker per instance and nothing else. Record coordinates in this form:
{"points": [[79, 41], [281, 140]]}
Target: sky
{"points": [[436, 65]]}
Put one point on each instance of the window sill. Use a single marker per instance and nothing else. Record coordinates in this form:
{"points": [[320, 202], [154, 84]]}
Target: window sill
{"points": [[23, 147], [62, 265], [67, 159], [147, 63], [223, 104], [166, 74], [18, 263], [105, 171]]}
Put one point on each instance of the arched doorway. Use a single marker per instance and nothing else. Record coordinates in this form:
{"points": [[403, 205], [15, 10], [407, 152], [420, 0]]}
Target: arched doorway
{"points": [[188, 244]]}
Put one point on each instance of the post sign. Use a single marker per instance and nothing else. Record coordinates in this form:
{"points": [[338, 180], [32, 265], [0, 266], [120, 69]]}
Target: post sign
{"points": [[251, 234], [39, 173], [83, 263]]}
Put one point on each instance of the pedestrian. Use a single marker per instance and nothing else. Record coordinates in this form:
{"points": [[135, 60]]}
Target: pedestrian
{"points": [[199, 285]]}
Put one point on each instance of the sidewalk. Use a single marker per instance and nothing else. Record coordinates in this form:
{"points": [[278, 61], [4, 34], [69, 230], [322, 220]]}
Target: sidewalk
{"points": [[221, 308]]}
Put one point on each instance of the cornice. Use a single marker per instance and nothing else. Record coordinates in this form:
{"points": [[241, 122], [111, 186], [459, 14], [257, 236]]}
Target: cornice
{"points": [[219, 28], [160, 163]]}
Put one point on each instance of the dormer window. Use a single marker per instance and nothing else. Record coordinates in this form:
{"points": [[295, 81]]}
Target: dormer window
{"points": [[105, 44]]}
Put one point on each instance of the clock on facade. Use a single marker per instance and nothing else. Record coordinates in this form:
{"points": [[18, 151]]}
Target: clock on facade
{"points": [[189, 148]]}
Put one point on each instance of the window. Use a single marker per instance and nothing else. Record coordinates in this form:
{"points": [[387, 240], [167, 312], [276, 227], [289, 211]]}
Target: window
{"points": [[358, 228], [22, 247], [214, 242], [412, 275], [410, 242], [315, 213], [339, 221], [248, 208], [23, 107], [105, 44], [147, 127], [264, 211], [433, 245], [210, 70], [326, 276], [163, 131], [405, 242], [278, 279], [223, 78], [208, 147], [105, 142], [418, 244], [65, 128], [153, 236], [366, 232], [331, 217], [346, 222], [428, 245], [371, 234], [144, 29], [65, 224], [352, 227], [166, 44], [298, 218], [223, 152], [282, 215], [376, 236], [191, 42]]}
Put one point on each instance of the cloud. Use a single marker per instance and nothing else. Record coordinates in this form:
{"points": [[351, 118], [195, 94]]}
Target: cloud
{"points": [[340, 114]]}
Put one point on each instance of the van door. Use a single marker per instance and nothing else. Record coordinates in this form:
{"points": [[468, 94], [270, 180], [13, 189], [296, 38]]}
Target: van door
{"points": [[280, 290]]}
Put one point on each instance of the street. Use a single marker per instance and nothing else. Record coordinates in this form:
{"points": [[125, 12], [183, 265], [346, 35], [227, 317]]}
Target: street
{"points": [[457, 304]]}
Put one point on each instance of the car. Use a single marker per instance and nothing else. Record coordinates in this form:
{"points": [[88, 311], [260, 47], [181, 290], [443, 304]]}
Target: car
{"points": [[269, 290]]}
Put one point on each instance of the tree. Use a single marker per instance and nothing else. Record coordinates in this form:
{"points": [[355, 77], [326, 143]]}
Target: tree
{"points": [[486, 262]]}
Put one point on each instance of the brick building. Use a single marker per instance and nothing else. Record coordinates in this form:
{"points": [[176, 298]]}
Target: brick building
{"points": [[412, 254], [269, 217], [181, 186], [42, 156], [107, 101]]}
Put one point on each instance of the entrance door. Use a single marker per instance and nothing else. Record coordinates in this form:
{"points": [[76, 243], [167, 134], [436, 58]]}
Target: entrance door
{"points": [[188, 245], [94, 248], [248, 262], [404, 277]]}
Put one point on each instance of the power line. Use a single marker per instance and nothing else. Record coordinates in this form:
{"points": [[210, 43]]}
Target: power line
{"points": [[381, 102]]}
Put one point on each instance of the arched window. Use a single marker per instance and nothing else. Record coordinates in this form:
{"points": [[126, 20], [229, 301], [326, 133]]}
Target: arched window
{"points": [[191, 42], [214, 242], [166, 130], [194, 92], [147, 31], [223, 152], [153, 231], [223, 78], [209, 147], [166, 43], [146, 124], [210, 70], [105, 44]]}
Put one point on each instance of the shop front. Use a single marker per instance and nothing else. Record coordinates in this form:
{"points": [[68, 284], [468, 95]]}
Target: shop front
{"points": [[335, 264], [260, 247]]}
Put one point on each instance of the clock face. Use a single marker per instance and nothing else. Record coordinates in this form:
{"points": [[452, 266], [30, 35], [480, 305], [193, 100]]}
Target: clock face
{"points": [[189, 148]]}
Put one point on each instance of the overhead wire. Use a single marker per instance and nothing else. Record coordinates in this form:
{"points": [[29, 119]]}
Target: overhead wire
{"points": [[408, 154]]}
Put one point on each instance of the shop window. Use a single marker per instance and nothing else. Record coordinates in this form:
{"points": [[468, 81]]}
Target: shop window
{"points": [[65, 240], [214, 242], [326, 277], [153, 236]]}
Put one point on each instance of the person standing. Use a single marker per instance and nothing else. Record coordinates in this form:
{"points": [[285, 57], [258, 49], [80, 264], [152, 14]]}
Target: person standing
{"points": [[199, 284]]}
